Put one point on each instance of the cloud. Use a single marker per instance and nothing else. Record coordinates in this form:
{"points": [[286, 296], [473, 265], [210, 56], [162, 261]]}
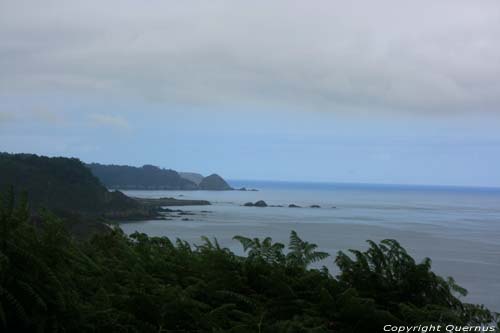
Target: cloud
{"points": [[422, 56], [116, 122]]}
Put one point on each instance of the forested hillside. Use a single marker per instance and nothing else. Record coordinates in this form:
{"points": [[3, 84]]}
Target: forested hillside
{"points": [[147, 177], [63, 185]]}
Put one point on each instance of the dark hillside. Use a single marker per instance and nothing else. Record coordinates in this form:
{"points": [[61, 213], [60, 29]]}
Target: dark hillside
{"points": [[62, 185], [147, 177]]}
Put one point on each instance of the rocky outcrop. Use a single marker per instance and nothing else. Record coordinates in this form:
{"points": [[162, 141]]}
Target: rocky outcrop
{"points": [[214, 182], [245, 189], [293, 206], [315, 206], [260, 203]]}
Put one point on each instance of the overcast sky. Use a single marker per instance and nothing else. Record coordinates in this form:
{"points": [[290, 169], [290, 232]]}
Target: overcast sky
{"points": [[353, 91]]}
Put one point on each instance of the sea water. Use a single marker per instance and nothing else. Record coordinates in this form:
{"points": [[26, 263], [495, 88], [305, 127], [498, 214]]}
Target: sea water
{"points": [[458, 228]]}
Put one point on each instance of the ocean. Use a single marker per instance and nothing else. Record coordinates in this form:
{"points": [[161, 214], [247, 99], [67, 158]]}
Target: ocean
{"points": [[457, 227]]}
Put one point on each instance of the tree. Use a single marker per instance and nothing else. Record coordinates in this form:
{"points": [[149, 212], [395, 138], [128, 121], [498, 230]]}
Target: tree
{"points": [[302, 253], [266, 250]]}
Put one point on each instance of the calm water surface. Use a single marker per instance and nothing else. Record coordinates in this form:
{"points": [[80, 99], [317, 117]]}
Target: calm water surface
{"points": [[458, 228]]}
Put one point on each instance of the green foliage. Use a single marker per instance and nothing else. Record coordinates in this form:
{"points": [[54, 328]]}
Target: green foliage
{"points": [[119, 283], [265, 250], [387, 274], [303, 253]]}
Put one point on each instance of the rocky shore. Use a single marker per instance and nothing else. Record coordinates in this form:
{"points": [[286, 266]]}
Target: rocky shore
{"points": [[151, 209]]}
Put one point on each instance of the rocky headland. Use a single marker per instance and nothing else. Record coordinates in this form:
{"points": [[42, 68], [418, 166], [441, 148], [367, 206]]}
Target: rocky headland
{"points": [[214, 182]]}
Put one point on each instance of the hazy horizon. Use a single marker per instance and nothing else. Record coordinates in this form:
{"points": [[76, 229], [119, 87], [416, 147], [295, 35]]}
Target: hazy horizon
{"points": [[336, 92]]}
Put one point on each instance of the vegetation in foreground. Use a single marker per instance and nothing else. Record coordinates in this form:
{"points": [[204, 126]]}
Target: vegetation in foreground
{"points": [[115, 283]]}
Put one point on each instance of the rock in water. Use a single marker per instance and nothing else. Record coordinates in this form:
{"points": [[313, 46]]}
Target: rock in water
{"points": [[293, 206], [249, 204], [260, 203]]}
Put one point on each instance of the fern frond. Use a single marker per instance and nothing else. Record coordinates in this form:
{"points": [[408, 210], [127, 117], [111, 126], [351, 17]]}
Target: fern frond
{"points": [[247, 243], [295, 241], [317, 256]]}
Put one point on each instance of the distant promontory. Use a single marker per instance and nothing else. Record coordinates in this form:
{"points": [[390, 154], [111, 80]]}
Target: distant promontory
{"points": [[150, 177], [214, 182]]}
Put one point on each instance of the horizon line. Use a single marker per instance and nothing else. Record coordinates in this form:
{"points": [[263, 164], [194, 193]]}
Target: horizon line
{"points": [[326, 182]]}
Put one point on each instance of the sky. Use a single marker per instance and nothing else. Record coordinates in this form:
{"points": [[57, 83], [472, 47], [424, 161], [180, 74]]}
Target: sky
{"points": [[394, 92]]}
